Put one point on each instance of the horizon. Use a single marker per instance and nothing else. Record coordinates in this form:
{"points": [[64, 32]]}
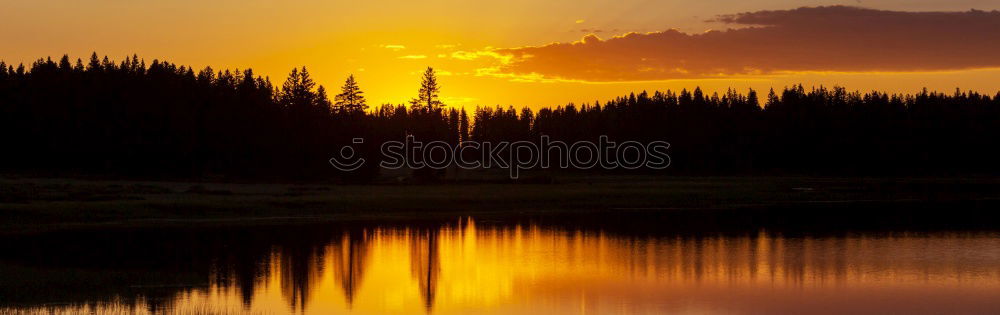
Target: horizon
{"points": [[472, 49], [720, 91]]}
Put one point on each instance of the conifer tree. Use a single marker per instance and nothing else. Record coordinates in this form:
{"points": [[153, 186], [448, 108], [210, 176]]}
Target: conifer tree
{"points": [[454, 125], [463, 126], [351, 99], [95, 63], [752, 102], [297, 91], [427, 97], [323, 104]]}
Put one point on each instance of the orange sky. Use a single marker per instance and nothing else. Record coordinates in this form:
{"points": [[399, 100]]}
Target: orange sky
{"points": [[386, 44]]}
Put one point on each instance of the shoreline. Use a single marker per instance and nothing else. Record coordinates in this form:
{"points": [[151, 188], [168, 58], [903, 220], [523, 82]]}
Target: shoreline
{"points": [[40, 204]]}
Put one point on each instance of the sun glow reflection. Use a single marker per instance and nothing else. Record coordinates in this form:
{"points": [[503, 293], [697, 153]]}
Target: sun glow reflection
{"points": [[465, 267]]}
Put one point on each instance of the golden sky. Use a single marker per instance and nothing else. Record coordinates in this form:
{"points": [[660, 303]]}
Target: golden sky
{"points": [[505, 52]]}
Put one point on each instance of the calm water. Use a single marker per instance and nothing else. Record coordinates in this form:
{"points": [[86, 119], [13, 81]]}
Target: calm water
{"points": [[477, 267]]}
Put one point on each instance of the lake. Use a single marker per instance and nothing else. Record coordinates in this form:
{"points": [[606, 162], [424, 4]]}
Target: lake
{"points": [[472, 265]]}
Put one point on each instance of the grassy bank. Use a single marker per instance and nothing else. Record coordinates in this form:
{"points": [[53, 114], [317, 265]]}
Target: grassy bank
{"points": [[28, 204]]}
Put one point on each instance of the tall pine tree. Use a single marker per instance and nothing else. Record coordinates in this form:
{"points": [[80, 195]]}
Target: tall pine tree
{"points": [[351, 99], [427, 97]]}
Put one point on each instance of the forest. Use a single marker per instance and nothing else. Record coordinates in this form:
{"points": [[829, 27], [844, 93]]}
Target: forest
{"points": [[161, 120]]}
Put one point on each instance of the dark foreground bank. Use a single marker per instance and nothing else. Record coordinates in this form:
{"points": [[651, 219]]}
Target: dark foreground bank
{"points": [[808, 203]]}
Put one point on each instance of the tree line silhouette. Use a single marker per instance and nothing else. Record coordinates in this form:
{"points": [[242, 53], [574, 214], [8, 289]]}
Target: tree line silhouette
{"points": [[128, 118]]}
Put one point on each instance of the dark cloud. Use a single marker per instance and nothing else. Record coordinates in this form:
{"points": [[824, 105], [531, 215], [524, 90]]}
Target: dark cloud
{"points": [[836, 38]]}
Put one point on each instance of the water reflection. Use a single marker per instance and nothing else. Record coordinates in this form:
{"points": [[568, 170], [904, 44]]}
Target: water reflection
{"points": [[349, 259], [465, 267]]}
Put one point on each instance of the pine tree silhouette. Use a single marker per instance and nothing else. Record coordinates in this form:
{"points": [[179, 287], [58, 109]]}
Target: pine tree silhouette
{"points": [[160, 119], [351, 99], [427, 97]]}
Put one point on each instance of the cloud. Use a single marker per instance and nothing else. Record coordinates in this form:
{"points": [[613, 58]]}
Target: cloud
{"points": [[473, 55], [580, 21], [394, 47], [836, 38], [513, 77], [413, 57]]}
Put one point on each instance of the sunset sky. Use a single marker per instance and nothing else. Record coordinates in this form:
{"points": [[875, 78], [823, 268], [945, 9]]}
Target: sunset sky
{"points": [[522, 52]]}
